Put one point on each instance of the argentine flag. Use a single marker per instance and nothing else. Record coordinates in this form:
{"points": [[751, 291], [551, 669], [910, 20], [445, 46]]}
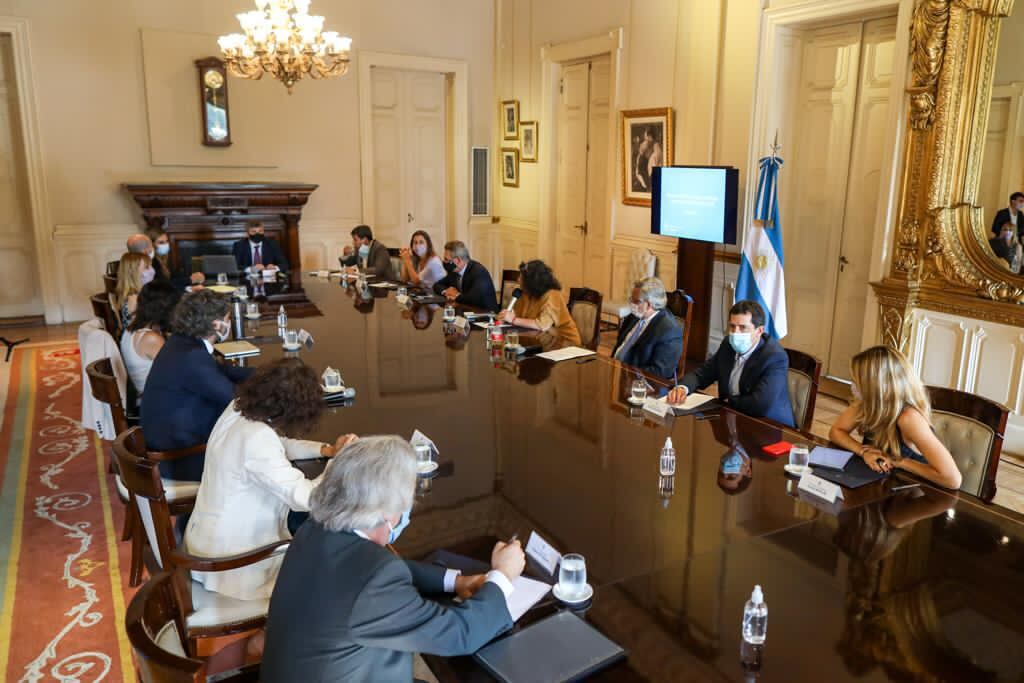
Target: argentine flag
{"points": [[761, 278]]}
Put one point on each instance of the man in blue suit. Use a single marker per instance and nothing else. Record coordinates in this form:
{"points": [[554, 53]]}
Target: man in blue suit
{"points": [[750, 368], [187, 389], [256, 250], [650, 338]]}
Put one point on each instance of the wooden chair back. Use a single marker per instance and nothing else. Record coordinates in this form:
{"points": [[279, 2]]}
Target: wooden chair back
{"points": [[141, 476], [972, 428], [104, 310], [159, 647], [103, 385], [585, 307], [110, 284], [112, 268], [803, 378], [681, 305], [509, 281], [396, 264]]}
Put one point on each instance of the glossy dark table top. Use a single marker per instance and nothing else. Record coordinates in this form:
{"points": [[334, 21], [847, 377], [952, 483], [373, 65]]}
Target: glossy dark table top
{"points": [[879, 582]]}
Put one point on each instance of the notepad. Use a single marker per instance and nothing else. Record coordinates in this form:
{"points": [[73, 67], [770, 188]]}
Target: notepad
{"points": [[660, 406], [236, 349], [526, 592], [833, 458], [568, 353]]}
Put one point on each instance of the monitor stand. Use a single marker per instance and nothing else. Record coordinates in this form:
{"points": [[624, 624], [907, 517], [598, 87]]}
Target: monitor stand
{"points": [[695, 267]]}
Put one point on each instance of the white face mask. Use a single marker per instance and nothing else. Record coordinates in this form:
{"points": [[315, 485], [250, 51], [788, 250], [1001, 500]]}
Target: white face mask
{"points": [[741, 341], [163, 249], [420, 250]]}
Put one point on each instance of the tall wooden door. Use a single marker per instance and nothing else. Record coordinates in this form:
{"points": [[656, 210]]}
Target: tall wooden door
{"points": [[409, 114], [584, 109], [20, 295]]}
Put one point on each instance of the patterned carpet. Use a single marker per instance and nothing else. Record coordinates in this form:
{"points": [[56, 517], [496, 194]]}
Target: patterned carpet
{"points": [[63, 569]]}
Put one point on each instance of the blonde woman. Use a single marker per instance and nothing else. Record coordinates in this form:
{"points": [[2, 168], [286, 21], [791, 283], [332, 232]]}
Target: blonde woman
{"points": [[891, 409], [134, 273]]}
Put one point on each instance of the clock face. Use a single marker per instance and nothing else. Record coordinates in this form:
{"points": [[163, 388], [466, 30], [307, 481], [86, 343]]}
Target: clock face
{"points": [[213, 79]]}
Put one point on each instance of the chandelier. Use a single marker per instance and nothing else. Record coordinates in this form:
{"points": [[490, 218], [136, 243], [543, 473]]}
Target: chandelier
{"points": [[284, 40]]}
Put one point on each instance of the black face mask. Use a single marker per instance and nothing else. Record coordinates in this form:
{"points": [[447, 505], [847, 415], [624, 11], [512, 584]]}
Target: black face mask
{"points": [[257, 238], [450, 266]]}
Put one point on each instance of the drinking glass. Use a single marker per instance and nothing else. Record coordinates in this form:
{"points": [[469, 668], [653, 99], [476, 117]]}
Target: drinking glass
{"points": [[512, 339], [332, 379], [222, 278], [572, 576], [449, 313], [252, 309], [424, 457], [402, 291], [639, 391], [291, 338], [799, 456]]}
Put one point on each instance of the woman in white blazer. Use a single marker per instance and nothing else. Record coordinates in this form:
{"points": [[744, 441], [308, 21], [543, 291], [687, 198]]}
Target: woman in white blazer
{"points": [[249, 484]]}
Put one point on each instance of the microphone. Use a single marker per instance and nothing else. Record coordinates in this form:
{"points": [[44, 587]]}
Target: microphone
{"points": [[516, 293]]}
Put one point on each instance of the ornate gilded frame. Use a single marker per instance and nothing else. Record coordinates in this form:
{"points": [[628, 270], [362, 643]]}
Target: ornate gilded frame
{"points": [[939, 258]]}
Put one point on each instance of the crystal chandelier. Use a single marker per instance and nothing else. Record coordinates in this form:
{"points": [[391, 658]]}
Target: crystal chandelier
{"points": [[284, 40]]}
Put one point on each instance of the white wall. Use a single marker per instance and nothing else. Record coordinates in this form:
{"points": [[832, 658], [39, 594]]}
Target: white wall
{"points": [[92, 95]]}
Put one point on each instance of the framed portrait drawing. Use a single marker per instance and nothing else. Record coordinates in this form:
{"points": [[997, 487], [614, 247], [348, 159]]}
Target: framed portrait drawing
{"points": [[528, 142], [509, 167], [510, 119], [646, 143]]}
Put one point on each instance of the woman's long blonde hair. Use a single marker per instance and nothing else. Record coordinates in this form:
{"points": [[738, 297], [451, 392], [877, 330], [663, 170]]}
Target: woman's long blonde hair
{"points": [[888, 384], [129, 277]]}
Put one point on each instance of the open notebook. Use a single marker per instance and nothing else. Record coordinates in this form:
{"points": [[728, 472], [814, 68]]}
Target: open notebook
{"points": [[528, 592]]}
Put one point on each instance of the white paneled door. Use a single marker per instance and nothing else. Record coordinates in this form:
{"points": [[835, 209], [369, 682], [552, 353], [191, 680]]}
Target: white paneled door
{"points": [[833, 186], [584, 108], [409, 115], [20, 294]]}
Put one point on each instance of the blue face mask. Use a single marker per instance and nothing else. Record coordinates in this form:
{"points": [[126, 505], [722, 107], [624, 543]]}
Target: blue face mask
{"points": [[741, 341], [364, 250], [732, 463], [396, 531]]}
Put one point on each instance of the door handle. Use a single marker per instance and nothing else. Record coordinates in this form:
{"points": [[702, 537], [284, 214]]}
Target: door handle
{"points": [[843, 262], [582, 228], [409, 219]]}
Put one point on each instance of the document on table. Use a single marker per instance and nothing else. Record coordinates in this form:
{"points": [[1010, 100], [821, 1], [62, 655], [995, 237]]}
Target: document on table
{"points": [[385, 285], [660, 406], [568, 353], [528, 592]]}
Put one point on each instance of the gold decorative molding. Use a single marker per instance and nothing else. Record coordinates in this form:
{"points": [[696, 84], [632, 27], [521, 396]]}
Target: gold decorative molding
{"points": [[927, 47]]}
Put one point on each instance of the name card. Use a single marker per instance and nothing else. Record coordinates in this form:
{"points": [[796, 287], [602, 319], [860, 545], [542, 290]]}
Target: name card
{"points": [[305, 338], [402, 299], [656, 406], [269, 275], [542, 553], [816, 486], [461, 322]]}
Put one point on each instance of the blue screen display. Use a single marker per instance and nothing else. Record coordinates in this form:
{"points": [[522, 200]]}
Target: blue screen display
{"points": [[692, 203]]}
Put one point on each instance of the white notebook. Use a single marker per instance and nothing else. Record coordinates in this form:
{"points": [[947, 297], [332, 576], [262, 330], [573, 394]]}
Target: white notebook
{"points": [[568, 353]]}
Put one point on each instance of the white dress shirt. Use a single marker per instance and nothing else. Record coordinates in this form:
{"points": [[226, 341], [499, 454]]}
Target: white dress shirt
{"points": [[248, 487]]}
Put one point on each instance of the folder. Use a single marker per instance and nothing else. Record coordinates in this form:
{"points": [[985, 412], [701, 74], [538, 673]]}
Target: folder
{"points": [[855, 474], [560, 648]]}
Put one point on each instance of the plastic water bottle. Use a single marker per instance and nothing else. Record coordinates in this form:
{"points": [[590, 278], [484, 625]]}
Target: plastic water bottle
{"points": [[755, 618], [667, 461], [282, 318]]}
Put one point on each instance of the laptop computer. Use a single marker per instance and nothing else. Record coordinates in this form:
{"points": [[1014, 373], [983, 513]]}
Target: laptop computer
{"points": [[212, 264]]}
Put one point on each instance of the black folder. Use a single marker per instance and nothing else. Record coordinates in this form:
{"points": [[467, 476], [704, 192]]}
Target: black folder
{"points": [[560, 648], [853, 476]]}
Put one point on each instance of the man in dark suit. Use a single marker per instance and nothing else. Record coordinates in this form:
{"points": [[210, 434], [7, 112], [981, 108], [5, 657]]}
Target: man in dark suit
{"points": [[256, 250], [750, 368], [1014, 214], [346, 608], [650, 338], [468, 281], [368, 253], [187, 389]]}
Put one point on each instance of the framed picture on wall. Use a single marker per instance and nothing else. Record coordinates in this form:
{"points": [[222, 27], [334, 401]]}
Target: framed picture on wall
{"points": [[510, 119], [509, 167], [528, 144], [646, 143]]}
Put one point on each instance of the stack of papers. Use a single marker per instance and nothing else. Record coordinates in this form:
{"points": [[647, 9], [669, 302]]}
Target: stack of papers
{"points": [[568, 353]]}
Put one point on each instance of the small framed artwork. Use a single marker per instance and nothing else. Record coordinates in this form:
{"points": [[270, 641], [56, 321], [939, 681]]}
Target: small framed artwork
{"points": [[213, 98], [528, 144], [510, 119], [646, 143], [509, 167]]}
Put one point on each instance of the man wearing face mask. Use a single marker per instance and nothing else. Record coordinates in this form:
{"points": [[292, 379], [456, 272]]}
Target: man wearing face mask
{"points": [[650, 338], [346, 608], [187, 389], [750, 368], [368, 254], [735, 471], [256, 253], [468, 282], [1013, 214]]}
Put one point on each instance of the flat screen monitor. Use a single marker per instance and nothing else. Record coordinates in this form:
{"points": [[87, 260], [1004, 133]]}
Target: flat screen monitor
{"points": [[695, 203]]}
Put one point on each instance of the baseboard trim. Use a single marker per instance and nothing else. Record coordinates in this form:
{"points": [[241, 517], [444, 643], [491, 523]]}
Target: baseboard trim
{"points": [[23, 321]]}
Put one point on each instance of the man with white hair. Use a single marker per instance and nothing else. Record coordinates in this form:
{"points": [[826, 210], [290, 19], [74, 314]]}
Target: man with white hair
{"points": [[140, 244], [347, 608], [650, 338]]}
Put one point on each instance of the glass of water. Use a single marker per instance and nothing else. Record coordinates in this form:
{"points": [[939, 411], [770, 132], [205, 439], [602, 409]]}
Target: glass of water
{"points": [[424, 458], [512, 339], [402, 291], [799, 457], [222, 278], [332, 379], [639, 391], [252, 309], [449, 313], [291, 338], [572, 576]]}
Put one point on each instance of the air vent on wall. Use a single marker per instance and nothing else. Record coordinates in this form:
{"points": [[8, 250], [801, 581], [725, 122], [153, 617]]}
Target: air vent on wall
{"points": [[481, 181]]}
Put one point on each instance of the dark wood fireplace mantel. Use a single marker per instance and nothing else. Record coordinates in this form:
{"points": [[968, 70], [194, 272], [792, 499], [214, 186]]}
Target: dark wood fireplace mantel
{"points": [[207, 218]]}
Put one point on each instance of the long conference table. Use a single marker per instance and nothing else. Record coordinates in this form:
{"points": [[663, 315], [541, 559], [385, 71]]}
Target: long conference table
{"points": [[914, 584]]}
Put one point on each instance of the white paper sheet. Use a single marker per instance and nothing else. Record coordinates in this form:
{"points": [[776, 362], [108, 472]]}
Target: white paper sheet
{"points": [[528, 592], [691, 402], [568, 353]]}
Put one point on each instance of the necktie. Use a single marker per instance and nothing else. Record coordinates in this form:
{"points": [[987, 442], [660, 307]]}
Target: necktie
{"points": [[256, 255], [634, 334], [734, 376]]}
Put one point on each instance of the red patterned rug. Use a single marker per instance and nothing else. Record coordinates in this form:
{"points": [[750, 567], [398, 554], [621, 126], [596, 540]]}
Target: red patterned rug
{"points": [[62, 566]]}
